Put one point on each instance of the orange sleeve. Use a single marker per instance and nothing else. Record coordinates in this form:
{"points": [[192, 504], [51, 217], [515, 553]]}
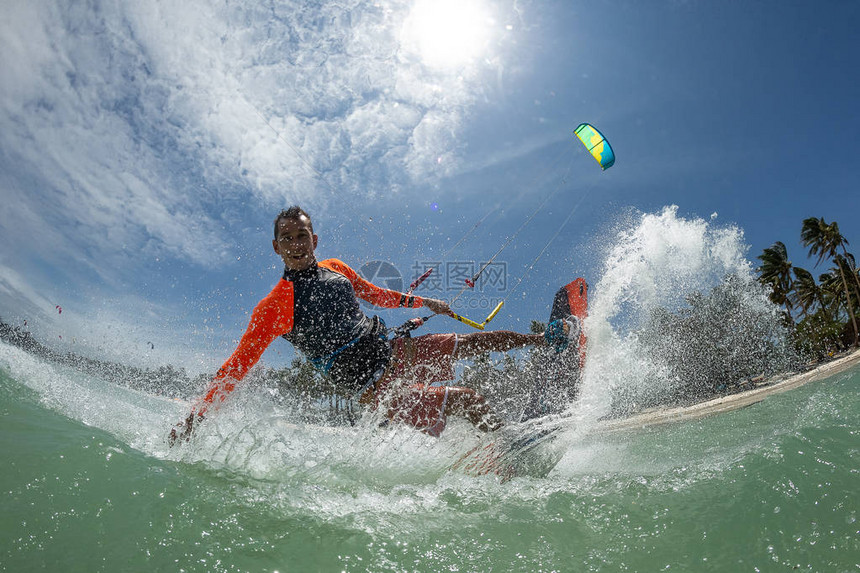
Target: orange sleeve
{"points": [[368, 291], [271, 318]]}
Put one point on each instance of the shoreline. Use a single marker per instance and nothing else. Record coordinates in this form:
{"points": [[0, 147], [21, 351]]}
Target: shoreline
{"points": [[669, 415]]}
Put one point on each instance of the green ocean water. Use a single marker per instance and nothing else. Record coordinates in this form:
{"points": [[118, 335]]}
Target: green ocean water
{"points": [[89, 485]]}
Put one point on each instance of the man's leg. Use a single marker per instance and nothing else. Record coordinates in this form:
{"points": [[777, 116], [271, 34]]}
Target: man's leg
{"points": [[465, 401], [477, 343], [427, 408], [472, 406], [430, 358]]}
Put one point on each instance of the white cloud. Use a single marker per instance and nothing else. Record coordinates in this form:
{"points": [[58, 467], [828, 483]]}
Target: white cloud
{"points": [[17, 293], [76, 144], [308, 73], [105, 107], [149, 130]]}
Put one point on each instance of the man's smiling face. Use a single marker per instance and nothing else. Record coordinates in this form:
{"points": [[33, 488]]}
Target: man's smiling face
{"points": [[296, 243]]}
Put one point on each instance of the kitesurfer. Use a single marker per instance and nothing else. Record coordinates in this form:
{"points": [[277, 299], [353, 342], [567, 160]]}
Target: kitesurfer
{"points": [[315, 307]]}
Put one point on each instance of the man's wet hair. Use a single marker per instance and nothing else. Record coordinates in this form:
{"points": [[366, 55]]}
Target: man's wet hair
{"points": [[294, 212]]}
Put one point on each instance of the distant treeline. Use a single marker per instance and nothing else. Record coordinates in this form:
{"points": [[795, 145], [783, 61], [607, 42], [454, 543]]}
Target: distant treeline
{"points": [[163, 381], [298, 385], [822, 314]]}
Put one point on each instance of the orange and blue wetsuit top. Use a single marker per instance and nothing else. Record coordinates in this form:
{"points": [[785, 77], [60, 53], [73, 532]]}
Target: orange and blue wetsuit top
{"points": [[317, 310]]}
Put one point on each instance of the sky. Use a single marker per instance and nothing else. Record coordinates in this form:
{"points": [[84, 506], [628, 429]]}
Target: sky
{"points": [[146, 147]]}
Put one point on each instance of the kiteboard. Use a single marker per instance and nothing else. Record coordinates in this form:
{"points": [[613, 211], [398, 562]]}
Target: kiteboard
{"points": [[526, 447]]}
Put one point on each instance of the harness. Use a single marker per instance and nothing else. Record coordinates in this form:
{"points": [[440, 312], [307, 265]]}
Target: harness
{"points": [[352, 365], [360, 362], [324, 364]]}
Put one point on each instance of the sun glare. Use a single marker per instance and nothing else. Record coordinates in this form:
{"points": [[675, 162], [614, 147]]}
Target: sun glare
{"points": [[447, 33]]}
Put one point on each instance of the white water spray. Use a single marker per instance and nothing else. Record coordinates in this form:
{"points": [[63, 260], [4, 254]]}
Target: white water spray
{"points": [[657, 264]]}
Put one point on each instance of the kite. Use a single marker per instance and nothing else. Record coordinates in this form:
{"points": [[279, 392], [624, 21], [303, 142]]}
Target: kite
{"points": [[596, 144]]}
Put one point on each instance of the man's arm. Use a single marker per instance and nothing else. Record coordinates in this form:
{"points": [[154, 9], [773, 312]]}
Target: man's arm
{"points": [[382, 297], [437, 306], [270, 319]]}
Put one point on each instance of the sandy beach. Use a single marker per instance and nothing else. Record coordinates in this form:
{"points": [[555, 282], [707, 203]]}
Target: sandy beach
{"points": [[661, 416]]}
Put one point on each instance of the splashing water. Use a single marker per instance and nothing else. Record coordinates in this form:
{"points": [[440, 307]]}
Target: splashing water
{"points": [[661, 265]]}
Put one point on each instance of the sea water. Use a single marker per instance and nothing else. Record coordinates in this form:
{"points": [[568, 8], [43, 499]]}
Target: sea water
{"points": [[89, 484], [771, 487]]}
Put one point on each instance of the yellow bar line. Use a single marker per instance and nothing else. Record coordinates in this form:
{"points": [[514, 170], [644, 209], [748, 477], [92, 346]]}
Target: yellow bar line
{"points": [[465, 320], [494, 313]]}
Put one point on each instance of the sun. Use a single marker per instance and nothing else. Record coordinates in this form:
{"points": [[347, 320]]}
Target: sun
{"points": [[447, 33]]}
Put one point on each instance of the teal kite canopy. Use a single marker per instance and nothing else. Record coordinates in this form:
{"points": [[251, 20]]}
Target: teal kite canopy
{"points": [[596, 144]]}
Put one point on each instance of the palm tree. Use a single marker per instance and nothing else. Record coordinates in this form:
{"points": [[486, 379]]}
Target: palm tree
{"points": [[824, 239], [846, 265], [817, 235], [775, 272], [851, 265], [831, 289], [806, 293]]}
